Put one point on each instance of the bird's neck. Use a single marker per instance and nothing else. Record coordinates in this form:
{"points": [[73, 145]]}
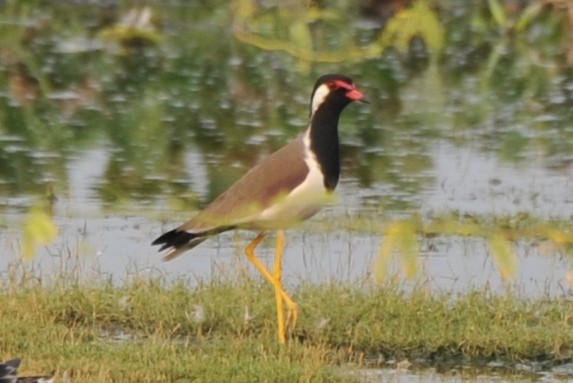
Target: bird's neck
{"points": [[323, 135]]}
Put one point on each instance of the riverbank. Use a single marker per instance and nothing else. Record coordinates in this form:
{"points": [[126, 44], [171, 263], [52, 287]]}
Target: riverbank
{"points": [[148, 330]]}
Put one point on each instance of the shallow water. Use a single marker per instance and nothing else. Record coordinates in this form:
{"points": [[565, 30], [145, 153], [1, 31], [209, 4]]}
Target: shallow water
{"points": [[124, 142], [459, 375], [119, 243], [121, 139]]}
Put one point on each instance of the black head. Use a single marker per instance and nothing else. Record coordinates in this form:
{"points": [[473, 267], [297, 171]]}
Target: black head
{"points": [[335, 90], [331, 94]]}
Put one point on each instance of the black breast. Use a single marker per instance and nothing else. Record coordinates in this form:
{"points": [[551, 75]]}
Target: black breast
{"points": [[324, 144]]}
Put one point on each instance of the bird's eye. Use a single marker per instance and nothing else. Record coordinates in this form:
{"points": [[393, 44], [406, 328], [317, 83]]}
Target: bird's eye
{"points": [[332, 85]]}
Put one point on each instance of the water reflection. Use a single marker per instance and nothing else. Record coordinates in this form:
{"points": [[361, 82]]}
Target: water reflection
{"points": [[322, 250]]}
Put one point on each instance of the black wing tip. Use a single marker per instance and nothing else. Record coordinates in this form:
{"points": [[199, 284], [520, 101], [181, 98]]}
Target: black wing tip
{"points": [[162, 238], [174, 238], [178, 239]]}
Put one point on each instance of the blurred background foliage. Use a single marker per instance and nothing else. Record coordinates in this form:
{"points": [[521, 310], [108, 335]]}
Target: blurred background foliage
{"points": [[150, 82]]}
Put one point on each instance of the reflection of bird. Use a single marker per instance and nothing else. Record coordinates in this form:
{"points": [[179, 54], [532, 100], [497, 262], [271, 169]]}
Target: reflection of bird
{"points": [[9, 372], [289, 186]]}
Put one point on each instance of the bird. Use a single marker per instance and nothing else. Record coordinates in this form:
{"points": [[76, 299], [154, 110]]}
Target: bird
{"points": [[9, 374], [290, 185]]}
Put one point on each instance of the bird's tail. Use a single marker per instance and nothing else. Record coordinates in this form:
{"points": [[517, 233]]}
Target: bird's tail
{"points": [[178, 241]]}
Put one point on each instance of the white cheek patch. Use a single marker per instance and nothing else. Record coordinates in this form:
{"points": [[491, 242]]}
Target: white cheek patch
{"points": [[319, 97]]}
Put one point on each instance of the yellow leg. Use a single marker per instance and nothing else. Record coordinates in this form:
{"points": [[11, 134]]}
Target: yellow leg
{"points": [[281, 295], [277, 274]]}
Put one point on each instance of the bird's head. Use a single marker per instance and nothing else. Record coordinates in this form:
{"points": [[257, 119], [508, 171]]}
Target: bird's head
{"points": [[336, 91]]}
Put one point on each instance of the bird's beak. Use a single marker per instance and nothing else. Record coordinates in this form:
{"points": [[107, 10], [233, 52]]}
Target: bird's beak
{"points": [[356, 95]]}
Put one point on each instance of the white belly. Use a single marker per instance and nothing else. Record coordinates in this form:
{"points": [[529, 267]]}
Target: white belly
{"points": [[301, 203], [297, 206]]}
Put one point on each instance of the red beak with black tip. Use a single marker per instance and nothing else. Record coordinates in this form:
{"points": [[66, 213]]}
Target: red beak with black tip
{"points": [[356, 95]]}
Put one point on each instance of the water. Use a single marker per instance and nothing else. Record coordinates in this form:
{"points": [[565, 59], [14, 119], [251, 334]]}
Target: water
{"points": [[457, 376], [125, 138], [116, 243]]}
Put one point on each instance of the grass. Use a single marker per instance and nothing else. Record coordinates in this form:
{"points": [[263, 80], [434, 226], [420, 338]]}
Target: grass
{"points": [[150, 330]]}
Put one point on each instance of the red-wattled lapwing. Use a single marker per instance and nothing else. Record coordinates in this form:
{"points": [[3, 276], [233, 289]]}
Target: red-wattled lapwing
{"points": [[9, 374], [289, 186]]}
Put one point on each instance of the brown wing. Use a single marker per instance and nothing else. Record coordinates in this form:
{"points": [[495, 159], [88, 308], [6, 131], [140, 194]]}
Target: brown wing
{"points": [[275, 176]]}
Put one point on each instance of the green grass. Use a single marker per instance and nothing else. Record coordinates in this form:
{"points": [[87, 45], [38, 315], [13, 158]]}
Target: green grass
{"points": [[150, 331]]}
